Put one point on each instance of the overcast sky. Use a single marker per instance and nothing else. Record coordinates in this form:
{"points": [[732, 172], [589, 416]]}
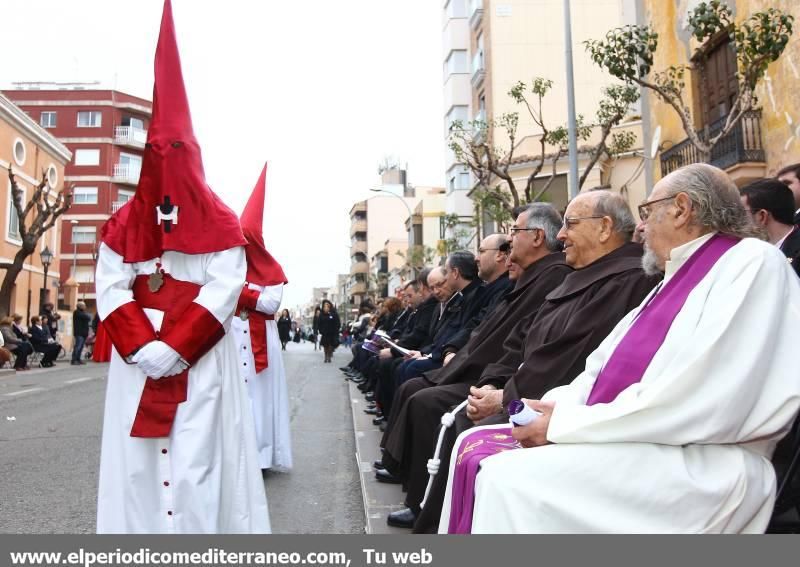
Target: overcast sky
{"points": [[321, 90]]}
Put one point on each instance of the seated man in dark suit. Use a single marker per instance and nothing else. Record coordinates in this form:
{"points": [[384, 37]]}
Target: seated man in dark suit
{"points": [[771, 206], [43, 342]]}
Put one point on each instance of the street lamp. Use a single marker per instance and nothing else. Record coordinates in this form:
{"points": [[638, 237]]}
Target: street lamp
{"points": [[410, 214], [47, 258], [410, 220]]}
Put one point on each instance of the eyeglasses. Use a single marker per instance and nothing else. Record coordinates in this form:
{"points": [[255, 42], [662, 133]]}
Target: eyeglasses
{"points": [[516, 230], [569, 222], [644, 208]]}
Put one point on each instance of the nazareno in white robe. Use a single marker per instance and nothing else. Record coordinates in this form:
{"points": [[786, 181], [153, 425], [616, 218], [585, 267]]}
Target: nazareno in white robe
{"points": [[267, 389], [688, 448], [203, 478]]}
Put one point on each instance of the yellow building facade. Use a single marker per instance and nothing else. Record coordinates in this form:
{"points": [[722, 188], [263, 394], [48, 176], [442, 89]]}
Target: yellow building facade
{"points": [[765, 141], [30, 151]]}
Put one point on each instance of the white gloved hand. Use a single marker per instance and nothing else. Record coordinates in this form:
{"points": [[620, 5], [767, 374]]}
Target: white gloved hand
{"points": [[177, 368], [156, 359]]}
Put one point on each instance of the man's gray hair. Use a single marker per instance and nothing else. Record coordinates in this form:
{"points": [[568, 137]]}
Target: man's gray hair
{"points": [[546, 217], [715, 199], [610, 204]]}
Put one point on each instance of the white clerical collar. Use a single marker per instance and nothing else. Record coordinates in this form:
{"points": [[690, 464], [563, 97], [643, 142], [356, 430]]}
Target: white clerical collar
{"points": [[679, 255]]}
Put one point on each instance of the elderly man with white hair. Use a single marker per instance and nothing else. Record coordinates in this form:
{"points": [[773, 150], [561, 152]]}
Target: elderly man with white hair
{"points": [[671, 426]]}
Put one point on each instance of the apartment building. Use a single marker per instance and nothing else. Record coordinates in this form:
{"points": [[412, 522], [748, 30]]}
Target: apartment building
{"points": [[106, 131], [490, 45]]}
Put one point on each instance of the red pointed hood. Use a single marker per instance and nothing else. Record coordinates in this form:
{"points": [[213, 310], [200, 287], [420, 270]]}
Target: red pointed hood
{"points": [[262, 268], [172, 177]]}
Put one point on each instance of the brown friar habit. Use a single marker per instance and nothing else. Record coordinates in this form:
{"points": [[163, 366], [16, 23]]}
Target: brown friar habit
{"points": [[409, 437], [572, 323]]}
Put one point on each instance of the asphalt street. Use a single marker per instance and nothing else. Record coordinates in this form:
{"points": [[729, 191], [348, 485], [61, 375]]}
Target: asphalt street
{"points": [[50, 427]]}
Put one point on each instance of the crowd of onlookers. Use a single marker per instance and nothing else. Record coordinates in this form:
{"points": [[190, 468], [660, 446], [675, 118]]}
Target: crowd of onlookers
{"points": [[18, 343], [438, 316]]}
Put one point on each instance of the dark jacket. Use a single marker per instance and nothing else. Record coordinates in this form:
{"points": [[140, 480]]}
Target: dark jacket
{"points": [[485, 300], [80, 323], [573, 321], [284, 326], [791, 248], [418, 333], [400, 322], [460, 310], [329, 325], [315, 324], [506, 324], [52, 320], [40, 336]]}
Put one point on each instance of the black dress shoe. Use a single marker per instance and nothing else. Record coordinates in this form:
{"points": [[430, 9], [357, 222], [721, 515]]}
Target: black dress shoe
{"points": [[370, 398], [345, 369], [404, 518], [378, 420], [378, 465], [372, 411], [382, 475]]}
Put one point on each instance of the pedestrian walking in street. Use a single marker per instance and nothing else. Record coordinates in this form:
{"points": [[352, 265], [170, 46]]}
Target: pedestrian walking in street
{"points": [[284, 327], [81, 321], [329, 329], [179, 446], [315, 326]]}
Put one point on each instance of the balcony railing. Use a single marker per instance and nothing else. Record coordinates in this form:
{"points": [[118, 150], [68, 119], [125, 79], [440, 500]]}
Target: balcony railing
{"points": [[130, 136], [740, 145], [359, 268], [478, 70], [358, 247], [126, 173], [475, 13], [358, 226], [117, 205], [358, 288], [479, 123]]}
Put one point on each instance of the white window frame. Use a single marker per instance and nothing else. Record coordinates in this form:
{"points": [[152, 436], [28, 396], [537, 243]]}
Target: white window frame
{"points": [[87, 275], [81, 162], [92, 115], [52, 176], [52, 121], [457, 62], [78, 229], [124, 193], [85, 191], [19, 143]]}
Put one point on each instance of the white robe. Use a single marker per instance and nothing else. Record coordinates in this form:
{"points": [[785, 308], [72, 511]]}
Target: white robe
{"points": [[685, 450], [268, 392], [208, 480]]}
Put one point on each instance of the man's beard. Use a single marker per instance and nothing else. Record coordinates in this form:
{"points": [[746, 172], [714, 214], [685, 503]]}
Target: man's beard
{"points": [[650, 263]]}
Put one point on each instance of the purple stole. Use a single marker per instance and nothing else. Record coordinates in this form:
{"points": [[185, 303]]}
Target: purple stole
{"points": [[626, 366]]}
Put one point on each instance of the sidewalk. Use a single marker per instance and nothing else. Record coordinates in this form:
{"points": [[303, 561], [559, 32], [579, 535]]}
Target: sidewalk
{"points": [[379, 498]]}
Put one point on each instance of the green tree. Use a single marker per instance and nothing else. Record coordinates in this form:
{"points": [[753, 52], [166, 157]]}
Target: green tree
{"points": [[628, 52], [496, 191]]}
